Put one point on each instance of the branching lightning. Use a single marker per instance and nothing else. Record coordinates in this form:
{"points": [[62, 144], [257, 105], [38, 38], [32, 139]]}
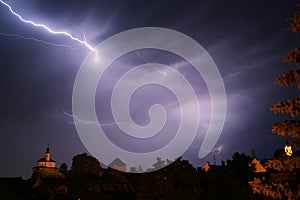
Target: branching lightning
{"points": [[216, 149], [82, 121], [77, 120], [47, 28], [139, 55], [37, 40]]}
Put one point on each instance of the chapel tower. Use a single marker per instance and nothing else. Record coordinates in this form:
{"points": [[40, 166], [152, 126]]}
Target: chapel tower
{"points": [[45, 167]]}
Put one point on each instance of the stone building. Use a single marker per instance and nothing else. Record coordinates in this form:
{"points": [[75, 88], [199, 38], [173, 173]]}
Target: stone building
{"points": [[45, 167]]}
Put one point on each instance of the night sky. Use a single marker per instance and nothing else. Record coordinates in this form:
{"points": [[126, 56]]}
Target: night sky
{"points": [[38, 70]]}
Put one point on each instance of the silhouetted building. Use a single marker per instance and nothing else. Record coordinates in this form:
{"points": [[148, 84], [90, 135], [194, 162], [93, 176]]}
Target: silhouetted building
{"points": [[256, 166], [45, 167], [118, 165]]}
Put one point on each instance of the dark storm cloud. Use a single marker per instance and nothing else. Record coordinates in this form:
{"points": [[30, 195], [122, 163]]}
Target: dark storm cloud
{"points": [[243, 37]]}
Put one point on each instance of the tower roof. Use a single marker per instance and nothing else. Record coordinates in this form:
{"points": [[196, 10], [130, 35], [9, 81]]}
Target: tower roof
{"points": [[44, 158]]}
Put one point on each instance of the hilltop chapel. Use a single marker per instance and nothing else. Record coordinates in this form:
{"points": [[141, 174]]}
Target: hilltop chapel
{"points": [[45, 167]]}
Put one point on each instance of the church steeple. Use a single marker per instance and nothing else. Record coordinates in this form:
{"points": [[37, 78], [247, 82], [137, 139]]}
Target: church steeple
{"points": [[45, 167], [47, 154]]}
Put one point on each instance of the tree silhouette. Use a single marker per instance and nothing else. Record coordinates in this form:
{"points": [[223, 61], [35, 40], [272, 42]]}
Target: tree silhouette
{"points": [[290, 127], [285, 165], [159, 163], [279, 154], [239, 165], [85, 164], [175, 181], [63, 169]]}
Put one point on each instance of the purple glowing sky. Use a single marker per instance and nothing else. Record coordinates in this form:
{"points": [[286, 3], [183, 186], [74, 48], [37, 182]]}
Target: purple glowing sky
{"points": [[244, 39]]}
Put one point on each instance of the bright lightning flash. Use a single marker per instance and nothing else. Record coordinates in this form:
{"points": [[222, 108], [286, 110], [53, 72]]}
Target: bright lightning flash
{"points": [[216, 149], [47, 28]]}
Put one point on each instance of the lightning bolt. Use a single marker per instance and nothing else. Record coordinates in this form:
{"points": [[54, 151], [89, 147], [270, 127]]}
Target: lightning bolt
{"points": [[78, 120], [145, 60], [47, 28], [172, 61], [82, 121], [37, 40], [217, 149]]}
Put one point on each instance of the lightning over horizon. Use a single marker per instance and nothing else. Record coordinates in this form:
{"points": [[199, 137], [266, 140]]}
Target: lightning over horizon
{"points": [[47, 28], [83, 121]]}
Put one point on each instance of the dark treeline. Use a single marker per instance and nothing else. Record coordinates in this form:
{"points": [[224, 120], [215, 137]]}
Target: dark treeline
{"points": [[179, 180]]}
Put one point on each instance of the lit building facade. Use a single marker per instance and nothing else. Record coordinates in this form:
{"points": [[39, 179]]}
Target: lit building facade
{"points": [[45, 167]]}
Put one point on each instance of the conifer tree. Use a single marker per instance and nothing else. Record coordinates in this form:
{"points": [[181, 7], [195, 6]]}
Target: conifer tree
{"points": [[288, 166]]}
